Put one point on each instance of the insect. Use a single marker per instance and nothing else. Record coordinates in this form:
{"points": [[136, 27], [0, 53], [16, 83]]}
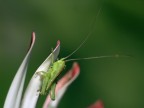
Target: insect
{"points": [[49, 78]]}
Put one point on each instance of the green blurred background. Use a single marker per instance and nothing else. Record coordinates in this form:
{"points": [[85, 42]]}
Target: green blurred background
{"points": [[118, 29]]}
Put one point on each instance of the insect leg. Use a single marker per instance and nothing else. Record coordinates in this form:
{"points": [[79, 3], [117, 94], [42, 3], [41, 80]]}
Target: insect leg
{"points": [[52, 91], [44, 83], [40, 73]]}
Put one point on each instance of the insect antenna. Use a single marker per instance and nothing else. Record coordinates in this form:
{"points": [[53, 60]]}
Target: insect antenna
{"points": [[78, 46], [84, 41], [88, 58]]}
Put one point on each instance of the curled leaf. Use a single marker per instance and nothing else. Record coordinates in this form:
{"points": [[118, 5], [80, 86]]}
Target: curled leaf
{"points": [[31, 95], [62, 86], [15, 91]]}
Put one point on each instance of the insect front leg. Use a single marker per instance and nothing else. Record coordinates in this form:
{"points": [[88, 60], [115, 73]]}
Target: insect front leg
{"points": [[44, 76], [40, 73], [45, 81]]}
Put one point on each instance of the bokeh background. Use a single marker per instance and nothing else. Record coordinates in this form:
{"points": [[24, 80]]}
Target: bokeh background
{"points": [[118, 29]]}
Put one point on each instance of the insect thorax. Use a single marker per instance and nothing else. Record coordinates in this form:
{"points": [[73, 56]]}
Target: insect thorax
{"points": [[59, 65]]}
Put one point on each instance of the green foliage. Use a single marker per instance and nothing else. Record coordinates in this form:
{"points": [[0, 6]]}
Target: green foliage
{"points": [[118, 30]]}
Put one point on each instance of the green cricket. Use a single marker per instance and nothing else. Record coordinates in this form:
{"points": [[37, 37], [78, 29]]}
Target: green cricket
{"points": [[49, 78]]}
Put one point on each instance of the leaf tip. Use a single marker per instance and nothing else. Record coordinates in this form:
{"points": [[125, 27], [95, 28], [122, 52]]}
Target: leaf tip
{"points": [[76, 69], [97, 104], [58, 43]]}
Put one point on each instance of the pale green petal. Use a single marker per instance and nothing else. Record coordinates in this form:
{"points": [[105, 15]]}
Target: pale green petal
{"points": [[13, 98], [31, 95]]}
